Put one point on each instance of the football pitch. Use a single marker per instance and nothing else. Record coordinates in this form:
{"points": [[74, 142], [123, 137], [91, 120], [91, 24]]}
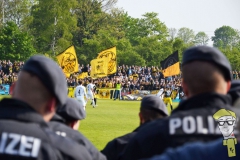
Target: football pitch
{"points": [[110, 119]]}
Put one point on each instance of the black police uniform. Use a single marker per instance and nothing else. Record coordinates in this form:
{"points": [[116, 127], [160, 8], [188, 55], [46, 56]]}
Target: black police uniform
{"points": [[78, 137], [73, 110], [199, 151], [25, 135], [191, 121], [115, 147]]}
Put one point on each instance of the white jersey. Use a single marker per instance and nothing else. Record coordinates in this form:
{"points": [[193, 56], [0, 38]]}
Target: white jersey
{"points": [[160, 93], [90, 87], [80, 91]]}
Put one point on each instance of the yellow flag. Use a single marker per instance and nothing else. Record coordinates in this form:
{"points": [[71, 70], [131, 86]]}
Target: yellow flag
{"points": [[83, 75], [99, 67], [111, 54], [172, 70], [67, 75], [68, 61]]}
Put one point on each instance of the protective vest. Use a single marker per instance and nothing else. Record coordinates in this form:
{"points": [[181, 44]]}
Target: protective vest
{"points": [[118, 86]]}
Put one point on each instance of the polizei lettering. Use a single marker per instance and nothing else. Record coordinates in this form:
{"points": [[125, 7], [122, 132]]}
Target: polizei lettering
{"points": [[21, 145], [193, 125]]}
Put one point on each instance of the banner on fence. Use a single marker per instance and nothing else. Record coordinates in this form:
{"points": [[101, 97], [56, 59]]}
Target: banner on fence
{"points": [[101, 93], [4, 89], [143, 92], [154, 91], [105, 93], [136, 95], [133, 97]]}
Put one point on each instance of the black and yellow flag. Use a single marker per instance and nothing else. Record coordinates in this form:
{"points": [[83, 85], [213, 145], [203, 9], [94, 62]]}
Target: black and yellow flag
{"points": [[170, 66], [99, 67], [68, 61], [83, 75], [111, 54]]}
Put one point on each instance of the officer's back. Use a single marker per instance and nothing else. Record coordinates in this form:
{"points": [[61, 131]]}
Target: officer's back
{"points": [[40, 88], [206, 80], [217, 149], [151, 108], [199, 151], [66, 123]]}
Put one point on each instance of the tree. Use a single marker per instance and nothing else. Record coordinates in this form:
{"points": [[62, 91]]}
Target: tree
{"points": [[172, 32], [107, 5], [96, 44], [15, 44], [232, 53], [17, 11], [225, 36], [127, 55], [152, 26], [135, 29], [131, 28], [153, 51], [114, 23], [201, 38], [92, 15], [186, 34], [53, 25]]}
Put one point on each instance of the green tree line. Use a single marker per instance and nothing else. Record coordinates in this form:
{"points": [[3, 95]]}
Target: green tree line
{"points": [[48, 27]]}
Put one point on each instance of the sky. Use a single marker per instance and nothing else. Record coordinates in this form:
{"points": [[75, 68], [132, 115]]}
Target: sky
{"points": [[198, 15]]}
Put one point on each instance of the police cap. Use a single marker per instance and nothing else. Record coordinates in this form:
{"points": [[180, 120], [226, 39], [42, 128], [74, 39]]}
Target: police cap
{"points": [[50, 75], [72, 110], [154, 103], [210, 54]]}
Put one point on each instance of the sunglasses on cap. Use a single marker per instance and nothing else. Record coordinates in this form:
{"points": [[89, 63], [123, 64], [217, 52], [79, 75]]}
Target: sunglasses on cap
{"points": [[230, 122]]}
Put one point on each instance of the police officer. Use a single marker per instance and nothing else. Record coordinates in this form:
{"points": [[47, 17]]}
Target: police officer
{"points": [[66, 123], [70, 114], [207, 151], [40, 88], [206, 81], [152, 107]]}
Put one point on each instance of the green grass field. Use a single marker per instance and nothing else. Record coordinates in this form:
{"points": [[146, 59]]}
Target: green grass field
{"points": [[4, 96], [110, 119]]}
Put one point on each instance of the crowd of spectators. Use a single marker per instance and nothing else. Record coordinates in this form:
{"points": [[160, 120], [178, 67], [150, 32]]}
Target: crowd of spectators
{"points": [[131, 77], [134, 78], [236, 74], [9, 71]]}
